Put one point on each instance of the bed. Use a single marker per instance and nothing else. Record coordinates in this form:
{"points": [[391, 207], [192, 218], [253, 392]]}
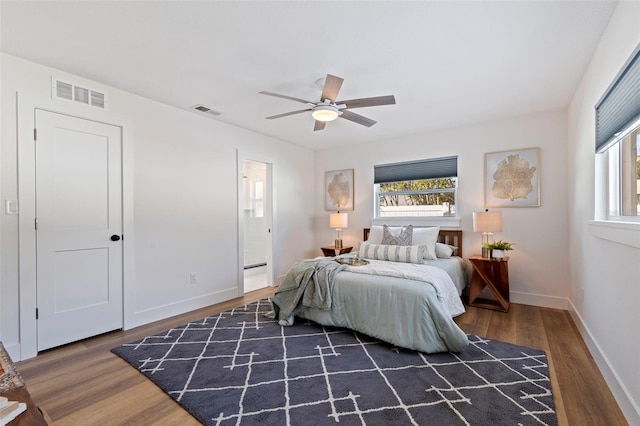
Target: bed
{"points": [[409, 305], [458, 269]]}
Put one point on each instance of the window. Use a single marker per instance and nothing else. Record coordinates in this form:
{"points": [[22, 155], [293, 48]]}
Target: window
{"points": [[623, 174], [618, 140], [416, 188]]}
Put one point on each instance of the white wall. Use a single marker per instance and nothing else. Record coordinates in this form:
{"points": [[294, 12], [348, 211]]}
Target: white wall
{"points": [[605, 275], [538, 266], [182, 176]]}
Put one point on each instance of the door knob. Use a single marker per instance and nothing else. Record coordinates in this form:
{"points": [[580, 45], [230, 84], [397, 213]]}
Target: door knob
{"points": [[115, 237]]}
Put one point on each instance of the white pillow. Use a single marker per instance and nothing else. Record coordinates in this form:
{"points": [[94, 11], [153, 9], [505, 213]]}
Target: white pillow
{"points": [[406, 254], [376, 233], [444, 251], [426, 237]]}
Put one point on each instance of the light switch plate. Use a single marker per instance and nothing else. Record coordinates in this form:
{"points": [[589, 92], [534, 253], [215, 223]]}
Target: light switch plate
{"points": [[11, 206]]}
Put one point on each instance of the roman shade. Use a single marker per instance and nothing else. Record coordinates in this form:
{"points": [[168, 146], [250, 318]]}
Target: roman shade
{"points": [[434, 168], [619, 107]]}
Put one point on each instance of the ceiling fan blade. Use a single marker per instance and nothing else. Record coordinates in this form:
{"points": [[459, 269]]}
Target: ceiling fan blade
{"points": [[367, 102], [332, 85], [277, 95], [357, 118], [287, 113], [319, 125]]}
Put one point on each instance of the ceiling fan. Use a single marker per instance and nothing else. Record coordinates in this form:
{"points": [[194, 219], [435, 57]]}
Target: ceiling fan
{"points": [[329, 109]]}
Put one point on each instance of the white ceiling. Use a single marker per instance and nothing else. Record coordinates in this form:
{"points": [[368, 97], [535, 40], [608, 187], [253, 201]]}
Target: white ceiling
{"points": [[447, 62]]}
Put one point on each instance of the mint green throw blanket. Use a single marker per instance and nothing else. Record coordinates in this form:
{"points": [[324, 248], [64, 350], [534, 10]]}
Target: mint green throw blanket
{"points": [[308, 283]]}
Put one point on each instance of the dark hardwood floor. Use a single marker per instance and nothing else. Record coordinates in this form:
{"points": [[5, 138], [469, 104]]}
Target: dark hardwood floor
{"points": [[85, 384]]}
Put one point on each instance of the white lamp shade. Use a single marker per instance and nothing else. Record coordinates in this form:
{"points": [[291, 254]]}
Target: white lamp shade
{"points": [[338, 220], [487, 221]]}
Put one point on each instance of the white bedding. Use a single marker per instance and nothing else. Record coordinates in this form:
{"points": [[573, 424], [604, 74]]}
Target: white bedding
{"points": [[430, 274], [458, 269]]}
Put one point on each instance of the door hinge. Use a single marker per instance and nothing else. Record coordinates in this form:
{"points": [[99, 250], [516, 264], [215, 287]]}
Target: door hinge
{"points": [[35, 223], [37, 313], [35, 134]]}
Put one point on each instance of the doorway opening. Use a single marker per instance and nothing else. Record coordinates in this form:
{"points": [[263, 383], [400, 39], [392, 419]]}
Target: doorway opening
{"points": [[256, 220]]}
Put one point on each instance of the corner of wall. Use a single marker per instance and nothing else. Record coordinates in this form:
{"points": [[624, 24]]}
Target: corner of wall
{"points": [[14, 352]]}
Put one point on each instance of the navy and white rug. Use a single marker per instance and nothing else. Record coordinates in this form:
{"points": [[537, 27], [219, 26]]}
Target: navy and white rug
{"points": [[239, 367]]}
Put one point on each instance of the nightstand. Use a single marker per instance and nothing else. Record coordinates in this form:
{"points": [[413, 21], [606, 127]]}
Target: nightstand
{"points": [[494, 274], [330, 251]]}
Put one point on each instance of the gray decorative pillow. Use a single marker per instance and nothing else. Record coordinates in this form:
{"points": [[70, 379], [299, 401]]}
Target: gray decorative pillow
{"points": [[402, 239]]}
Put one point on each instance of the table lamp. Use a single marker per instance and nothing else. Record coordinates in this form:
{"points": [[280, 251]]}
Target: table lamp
{"points": [[487, 222], [338, 221]]}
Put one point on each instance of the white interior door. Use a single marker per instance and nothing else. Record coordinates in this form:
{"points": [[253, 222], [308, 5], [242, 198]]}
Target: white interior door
{"points": [[256, 222], [265, 207], [79, 228]]}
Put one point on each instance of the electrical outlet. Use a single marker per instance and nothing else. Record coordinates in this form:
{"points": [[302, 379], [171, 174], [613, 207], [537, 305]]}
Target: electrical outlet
{"points": [[193, 278]]}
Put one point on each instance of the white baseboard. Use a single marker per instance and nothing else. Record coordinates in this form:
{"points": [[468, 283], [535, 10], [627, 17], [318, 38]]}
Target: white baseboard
{"points": [[181, 307], [13, 351], [539, 300], [628, 406]]}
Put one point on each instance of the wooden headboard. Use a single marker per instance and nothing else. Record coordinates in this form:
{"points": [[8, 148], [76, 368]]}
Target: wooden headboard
{"points": [[453, 237]]}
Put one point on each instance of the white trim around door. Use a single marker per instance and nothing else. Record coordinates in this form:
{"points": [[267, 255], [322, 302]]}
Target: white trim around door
{"points": [[270, 213], [26, 107]]}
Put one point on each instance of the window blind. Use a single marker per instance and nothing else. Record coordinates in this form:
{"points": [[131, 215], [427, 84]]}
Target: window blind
{"points": [[619, 107], [413, 170]]}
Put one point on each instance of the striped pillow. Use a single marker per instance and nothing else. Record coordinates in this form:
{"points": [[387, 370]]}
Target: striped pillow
{"points": [[406, 254]]}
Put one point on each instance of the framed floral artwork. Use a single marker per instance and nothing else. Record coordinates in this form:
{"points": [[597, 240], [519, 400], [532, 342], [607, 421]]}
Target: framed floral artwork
{"points": [[338, 190], [512, 178]]}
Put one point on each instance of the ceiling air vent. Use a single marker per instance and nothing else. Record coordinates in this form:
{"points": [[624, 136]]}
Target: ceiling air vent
{"points": [[205, 110], [72, 92]]}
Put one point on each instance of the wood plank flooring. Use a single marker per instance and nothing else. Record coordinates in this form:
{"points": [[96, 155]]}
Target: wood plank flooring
{"points": [[85, 384], [580, 393]]}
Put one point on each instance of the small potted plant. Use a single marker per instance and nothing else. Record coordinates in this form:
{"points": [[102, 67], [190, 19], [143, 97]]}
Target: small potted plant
{"points": [[498, 248]]}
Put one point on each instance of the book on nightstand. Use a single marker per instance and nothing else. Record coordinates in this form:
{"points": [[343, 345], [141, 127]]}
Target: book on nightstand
{"points": [[9, 410]]}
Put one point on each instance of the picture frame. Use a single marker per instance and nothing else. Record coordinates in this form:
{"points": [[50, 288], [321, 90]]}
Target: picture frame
{"points": [[338, 190], [512, 178]]}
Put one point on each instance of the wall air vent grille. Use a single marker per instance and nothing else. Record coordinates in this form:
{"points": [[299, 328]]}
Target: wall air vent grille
{"points": [[75, 93], [64, 90], [205, 110], [97, 99], [80, 94]]}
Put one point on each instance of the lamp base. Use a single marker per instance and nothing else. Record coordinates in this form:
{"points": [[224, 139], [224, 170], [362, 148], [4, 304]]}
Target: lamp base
{"points": [[338, 243], [486, 252]]}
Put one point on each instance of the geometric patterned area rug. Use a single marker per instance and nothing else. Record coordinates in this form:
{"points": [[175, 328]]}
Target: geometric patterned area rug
{"points": [[10, 379], [239, 367]]}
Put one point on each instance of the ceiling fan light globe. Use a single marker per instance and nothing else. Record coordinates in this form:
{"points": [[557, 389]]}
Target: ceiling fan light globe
{"points": [[325, 113]]}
